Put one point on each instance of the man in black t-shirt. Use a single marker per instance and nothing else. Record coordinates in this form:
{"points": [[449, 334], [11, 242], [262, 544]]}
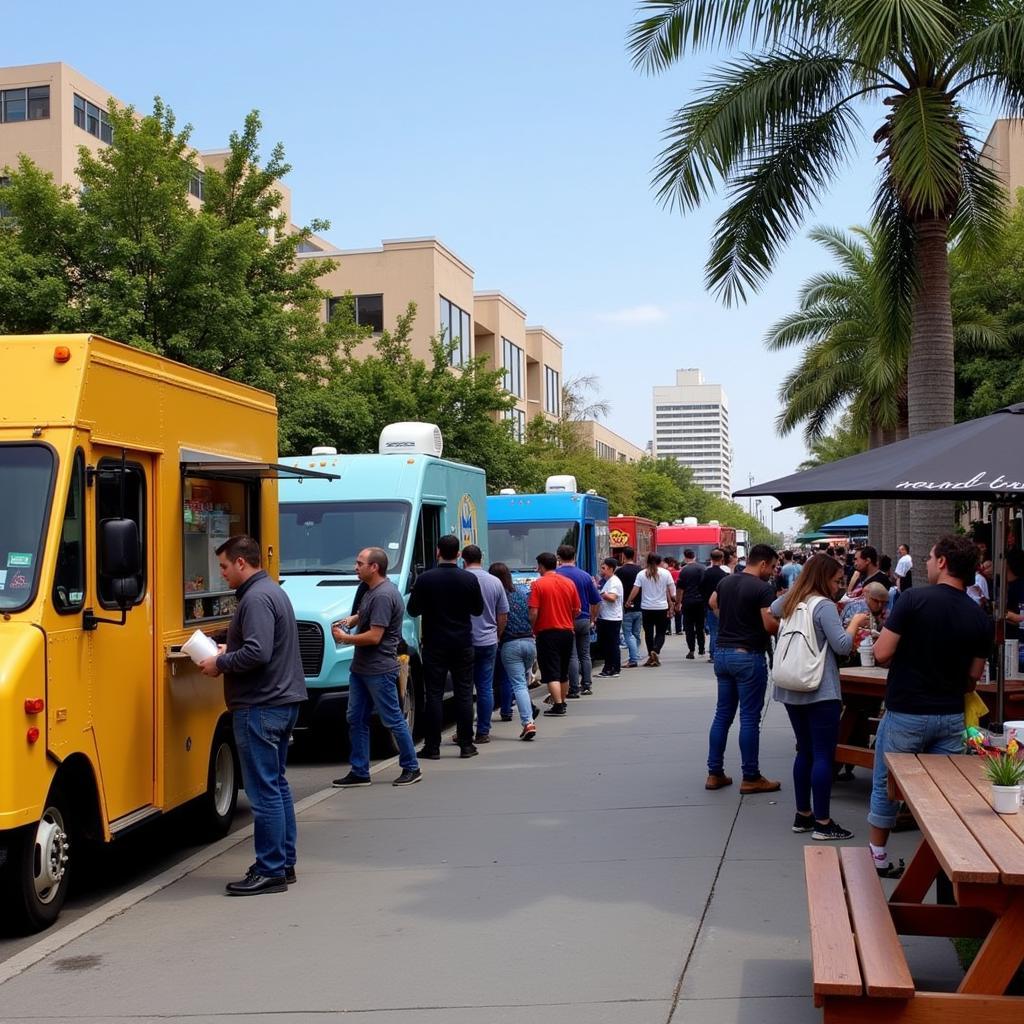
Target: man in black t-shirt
{"points": [[692, 602], [865, 562], [742, 601], [935, 641], [632, 618], [713, 575]]}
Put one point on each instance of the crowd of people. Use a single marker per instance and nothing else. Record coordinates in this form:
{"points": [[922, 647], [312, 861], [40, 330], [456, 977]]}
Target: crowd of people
{"points": [[486, 632]]}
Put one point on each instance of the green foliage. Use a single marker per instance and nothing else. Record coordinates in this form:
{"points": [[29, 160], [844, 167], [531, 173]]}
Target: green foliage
{"points": [[129, 257], [988, 297]]}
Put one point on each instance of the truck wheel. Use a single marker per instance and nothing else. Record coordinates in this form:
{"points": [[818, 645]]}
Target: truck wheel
{"points": [[39, 871], [216, 807]]}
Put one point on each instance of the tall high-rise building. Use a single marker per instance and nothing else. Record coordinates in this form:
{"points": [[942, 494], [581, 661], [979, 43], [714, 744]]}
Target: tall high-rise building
{"points": [[691, 424]]}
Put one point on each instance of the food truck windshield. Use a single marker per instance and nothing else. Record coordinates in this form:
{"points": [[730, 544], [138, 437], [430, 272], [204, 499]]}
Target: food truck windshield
{"points": [[323, 538], [519, 544], [26, 482]]}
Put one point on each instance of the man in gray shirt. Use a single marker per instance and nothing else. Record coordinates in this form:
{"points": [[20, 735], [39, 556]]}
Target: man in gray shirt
{"points": [[487, 630], [373, 678], [263, 687]]}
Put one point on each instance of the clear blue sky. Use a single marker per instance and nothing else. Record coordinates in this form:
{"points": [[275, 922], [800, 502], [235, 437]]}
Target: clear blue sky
{"points": [[516, 133]]}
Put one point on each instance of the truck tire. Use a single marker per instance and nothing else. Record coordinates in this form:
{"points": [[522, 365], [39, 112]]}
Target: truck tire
{"points": [[39, 867], [215, 809]]}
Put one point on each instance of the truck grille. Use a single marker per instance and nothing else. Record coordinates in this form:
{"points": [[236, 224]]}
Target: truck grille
{"points": [[311, 648]]}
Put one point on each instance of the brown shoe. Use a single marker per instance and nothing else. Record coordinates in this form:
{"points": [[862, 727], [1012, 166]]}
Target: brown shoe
{"points": [[656, 661], [759, 785], [717, 782]]}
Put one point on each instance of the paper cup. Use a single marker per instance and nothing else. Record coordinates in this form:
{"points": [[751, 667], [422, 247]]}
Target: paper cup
{"points": [[199, 647]]}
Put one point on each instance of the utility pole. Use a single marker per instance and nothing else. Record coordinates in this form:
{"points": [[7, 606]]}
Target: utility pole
{"points": [[750, 483]]}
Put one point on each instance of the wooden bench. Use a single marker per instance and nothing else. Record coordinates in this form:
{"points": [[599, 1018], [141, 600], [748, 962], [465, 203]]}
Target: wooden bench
{"points": [[860, 971]]}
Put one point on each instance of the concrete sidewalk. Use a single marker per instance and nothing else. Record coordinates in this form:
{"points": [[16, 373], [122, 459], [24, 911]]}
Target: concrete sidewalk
{"points": [[586, 877]]}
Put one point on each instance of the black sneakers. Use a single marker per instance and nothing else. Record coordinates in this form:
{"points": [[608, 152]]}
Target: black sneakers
{"points": [[409, 777], [833, 830], [803, 822], [428, 754], [352, 781], [469, 751], [255, 885], [289, 875], [891, 870], [556, 709]]}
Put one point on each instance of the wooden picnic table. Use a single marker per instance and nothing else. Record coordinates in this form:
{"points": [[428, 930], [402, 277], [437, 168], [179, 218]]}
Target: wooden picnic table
{"points": [[863, 691], [982, 855]]}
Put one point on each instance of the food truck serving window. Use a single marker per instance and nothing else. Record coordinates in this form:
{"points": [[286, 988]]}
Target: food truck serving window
{"points": [[26, 482], [213, 510]]}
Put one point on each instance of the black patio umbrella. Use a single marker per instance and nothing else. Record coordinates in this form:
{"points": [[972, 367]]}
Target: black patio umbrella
{"points": [[978, 460]]}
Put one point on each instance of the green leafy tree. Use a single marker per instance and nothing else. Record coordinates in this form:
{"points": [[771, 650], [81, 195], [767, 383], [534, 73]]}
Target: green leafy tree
{"points": [[775, 127], [130, 257]]}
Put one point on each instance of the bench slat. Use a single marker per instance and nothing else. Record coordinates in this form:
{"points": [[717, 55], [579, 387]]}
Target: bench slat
{"points": [[883, 963], [833, 953]]}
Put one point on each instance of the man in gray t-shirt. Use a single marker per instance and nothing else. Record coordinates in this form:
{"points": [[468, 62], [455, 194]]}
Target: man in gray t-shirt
{"points": [[373, 678], [487, 630]]}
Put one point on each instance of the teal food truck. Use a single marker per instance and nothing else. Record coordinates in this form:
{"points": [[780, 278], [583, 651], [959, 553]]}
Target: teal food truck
{"points": [[402, 500], [520, 526]]}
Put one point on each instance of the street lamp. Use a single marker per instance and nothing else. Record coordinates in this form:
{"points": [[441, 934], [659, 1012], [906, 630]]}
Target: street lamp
{"points": [[750, 483]]}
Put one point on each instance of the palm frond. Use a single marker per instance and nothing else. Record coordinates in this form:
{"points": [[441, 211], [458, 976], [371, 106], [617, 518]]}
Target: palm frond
{"points": [[842, 247], [771, 195], [981, 210], [875, 30], [991, 61], [668, 29], [985, 333], [742, 108], [805, 325]]}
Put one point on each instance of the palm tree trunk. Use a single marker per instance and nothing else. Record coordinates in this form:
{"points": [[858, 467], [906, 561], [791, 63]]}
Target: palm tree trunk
{"points": [[930, 371], [901, 525], [876, 531]]}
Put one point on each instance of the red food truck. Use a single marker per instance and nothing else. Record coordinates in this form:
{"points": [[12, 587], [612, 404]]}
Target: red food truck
{"points": [[675, 538], [634, 532]]}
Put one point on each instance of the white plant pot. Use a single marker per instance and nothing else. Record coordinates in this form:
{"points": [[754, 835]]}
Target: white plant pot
{"points": [[1006, 799]]}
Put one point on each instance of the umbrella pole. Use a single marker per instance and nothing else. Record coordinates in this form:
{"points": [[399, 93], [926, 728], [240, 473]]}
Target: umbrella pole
{"points": [[999, 516]]}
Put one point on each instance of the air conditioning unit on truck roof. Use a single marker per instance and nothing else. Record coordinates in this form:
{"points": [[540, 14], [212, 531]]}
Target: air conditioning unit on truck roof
{"points": [[562, 484], [411, 439]]}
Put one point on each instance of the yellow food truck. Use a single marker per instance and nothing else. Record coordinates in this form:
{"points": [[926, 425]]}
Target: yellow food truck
{"points": [[121, 472]]}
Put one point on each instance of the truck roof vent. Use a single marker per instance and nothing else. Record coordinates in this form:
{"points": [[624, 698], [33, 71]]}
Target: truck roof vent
{"points": [[324, 449], [507, 490], [411, 439], [713, 522], [689, 521], [561, 484]]}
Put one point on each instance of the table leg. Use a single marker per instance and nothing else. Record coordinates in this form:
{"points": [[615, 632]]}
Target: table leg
{"points": [[1000, 955], [921, 872]]}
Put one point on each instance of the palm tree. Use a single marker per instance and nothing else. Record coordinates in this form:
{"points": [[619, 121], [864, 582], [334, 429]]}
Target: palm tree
{"points": [[776, 126], [855, 329]]}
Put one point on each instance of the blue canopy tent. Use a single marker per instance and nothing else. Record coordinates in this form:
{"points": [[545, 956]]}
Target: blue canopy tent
{"points": [[855, 525]]}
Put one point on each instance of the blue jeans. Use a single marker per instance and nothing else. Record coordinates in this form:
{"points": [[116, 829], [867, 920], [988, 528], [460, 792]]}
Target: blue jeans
{"points": [[580, 667], [261, 737], [504, 687], [711, 621], [742, 681], [816, 727], [517, 658], [366, 692], [631, 630], [483, 679], [900, 733]]}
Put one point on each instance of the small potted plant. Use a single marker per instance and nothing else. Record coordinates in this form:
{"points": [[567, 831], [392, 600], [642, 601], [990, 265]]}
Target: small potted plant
{"points": [[1005, 770]]}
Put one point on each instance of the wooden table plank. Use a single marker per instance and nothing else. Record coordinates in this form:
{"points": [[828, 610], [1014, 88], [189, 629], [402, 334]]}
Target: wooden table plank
{"points": [[959, 853], [973, 769], [1003, 847], [833, 953], [858, 674]]}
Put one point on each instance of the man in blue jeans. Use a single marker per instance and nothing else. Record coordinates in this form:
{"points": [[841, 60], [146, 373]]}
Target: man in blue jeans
{"points": [[581, 676], [263, 687], [632, 617], [936, 641], [487, 629], [373, 678], [713, 575], [745, 625]]}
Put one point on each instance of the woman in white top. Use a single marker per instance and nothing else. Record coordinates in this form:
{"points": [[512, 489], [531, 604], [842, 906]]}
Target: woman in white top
{"points": [[657, 595]]}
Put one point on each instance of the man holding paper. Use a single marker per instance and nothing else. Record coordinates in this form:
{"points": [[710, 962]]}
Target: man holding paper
{"points": [[263, 687]]}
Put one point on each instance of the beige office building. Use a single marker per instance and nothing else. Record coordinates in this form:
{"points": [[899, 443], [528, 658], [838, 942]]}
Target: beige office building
{"points": [[608, 445], [425, 271], [1004, 151], [691, 425], [47, 111]]}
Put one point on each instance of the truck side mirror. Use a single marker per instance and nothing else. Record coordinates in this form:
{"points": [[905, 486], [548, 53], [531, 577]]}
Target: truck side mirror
{"points": [[120, 565]]}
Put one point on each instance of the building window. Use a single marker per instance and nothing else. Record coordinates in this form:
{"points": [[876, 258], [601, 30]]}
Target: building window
{"points": [[605, 451], [457, 326], [93, 119], [518, 418], [512, 361], [5, 211], [369, 310], [31, 104], [552, 392], [195, 184]]}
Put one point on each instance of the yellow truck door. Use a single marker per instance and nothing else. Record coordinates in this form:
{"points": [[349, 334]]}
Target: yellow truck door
{"points": [[122, 668]]}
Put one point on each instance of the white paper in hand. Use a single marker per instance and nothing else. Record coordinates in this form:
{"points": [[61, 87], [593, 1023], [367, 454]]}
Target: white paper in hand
{"points": [[199, 647]]}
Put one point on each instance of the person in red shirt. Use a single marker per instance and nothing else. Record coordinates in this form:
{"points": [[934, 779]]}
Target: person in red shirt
{"points": [[554, 604]]}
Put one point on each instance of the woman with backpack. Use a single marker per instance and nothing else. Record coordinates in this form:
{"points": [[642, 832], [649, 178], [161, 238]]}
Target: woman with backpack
{"points": [[806, 681]]}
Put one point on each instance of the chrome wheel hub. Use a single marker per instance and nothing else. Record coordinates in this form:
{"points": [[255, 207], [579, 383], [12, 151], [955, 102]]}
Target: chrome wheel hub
{"points": [[50, 857]]}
